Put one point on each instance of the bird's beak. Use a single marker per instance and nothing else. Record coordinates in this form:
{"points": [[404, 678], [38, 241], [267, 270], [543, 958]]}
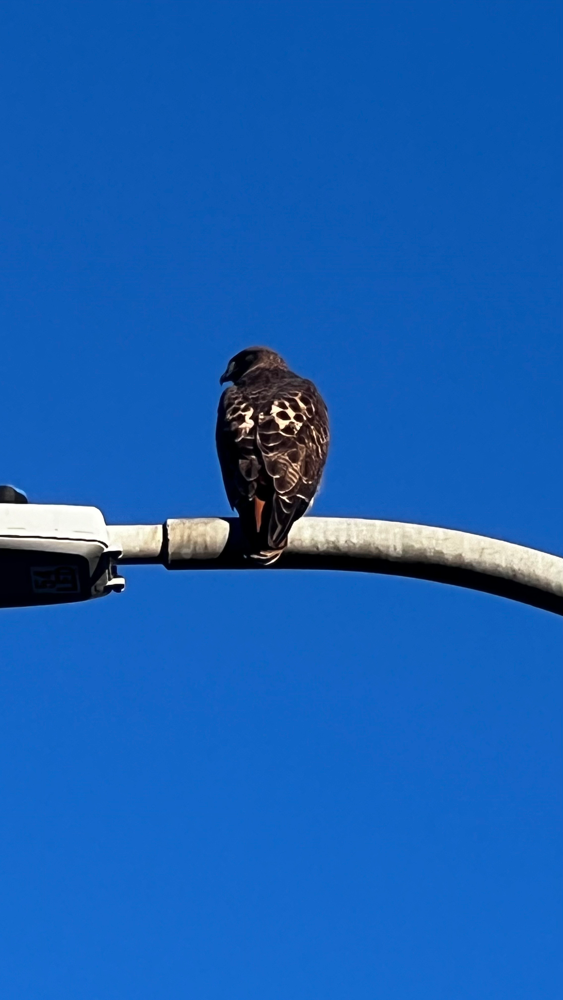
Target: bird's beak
{"points": [[227, 375]]}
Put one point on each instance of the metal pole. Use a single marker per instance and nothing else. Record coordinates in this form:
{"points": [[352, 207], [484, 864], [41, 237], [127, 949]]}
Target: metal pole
{"points": [[336, 543]]}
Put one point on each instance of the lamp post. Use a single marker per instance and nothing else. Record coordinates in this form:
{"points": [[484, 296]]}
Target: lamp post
{"points": [[392, 548], [59, 554]]}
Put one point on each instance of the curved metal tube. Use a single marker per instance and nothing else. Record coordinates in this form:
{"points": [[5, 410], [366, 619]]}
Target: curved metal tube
{"points": [[442, 555]]}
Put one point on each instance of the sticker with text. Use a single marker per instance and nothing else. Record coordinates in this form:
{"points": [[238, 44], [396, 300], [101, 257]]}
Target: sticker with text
{"points": [[55, 580]]}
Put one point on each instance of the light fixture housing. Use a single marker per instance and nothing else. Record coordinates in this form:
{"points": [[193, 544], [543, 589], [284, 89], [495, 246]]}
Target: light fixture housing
{"points": [[54, 554]]}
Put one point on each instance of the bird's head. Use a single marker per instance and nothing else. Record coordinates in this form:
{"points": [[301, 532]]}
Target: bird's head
{"points": [[251, 357]]}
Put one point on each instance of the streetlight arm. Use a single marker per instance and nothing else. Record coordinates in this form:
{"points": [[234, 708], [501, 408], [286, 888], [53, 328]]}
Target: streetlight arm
{"points": [[389, 547]]}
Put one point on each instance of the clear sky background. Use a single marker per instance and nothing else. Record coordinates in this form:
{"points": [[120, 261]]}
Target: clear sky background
{"points": [[261, 786]]}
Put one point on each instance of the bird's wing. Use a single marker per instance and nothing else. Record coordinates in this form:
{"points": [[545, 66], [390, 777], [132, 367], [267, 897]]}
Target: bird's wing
{"points": [[293, 436], [236, 445]]}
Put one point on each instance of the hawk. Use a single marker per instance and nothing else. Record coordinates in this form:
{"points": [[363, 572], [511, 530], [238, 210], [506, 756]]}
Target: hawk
{"points": [[272, 441]]}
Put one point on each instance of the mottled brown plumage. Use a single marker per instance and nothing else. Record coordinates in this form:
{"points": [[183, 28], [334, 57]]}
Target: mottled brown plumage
{"points": [[272, 441]]}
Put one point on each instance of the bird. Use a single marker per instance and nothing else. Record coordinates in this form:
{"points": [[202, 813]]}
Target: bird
{"points": [[272, 442]]}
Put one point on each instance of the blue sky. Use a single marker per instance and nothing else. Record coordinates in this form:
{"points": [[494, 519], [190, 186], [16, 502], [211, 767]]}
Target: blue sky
{"points": [[283, 785]]}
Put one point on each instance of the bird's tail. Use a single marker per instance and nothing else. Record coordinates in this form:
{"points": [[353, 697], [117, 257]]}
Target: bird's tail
{"points": [[266, 526]]}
